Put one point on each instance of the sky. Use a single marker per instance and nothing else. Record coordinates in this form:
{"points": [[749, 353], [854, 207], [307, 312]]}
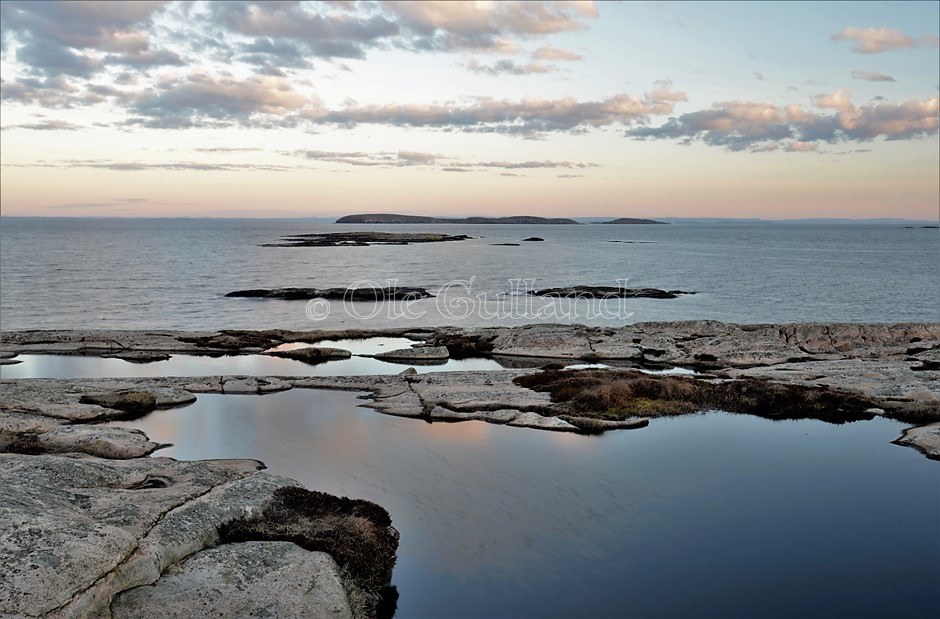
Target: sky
{"points": [[578, 109]]}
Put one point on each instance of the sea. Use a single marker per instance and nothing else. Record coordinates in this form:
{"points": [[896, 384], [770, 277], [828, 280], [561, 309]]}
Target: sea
{"points": [[705, 515], [61, 273]]}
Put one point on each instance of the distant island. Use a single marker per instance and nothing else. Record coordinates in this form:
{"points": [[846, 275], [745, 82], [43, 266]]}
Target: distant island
{"points": [[418, 219], [633, 220]]}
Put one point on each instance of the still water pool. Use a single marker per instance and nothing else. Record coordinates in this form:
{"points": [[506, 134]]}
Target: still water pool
{"points": [[705, 515]]}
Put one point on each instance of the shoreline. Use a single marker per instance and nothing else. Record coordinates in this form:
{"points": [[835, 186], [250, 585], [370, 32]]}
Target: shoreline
{"points": [[107, 523]]}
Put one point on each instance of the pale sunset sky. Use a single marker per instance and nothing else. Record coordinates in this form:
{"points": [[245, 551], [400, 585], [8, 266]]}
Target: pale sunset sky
{"points": [[659, 109]]}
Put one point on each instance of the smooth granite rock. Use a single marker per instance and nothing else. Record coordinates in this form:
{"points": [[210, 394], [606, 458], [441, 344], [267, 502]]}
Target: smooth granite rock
{"points": [[249, 579], [418, 353], [534, 420], [925, 439], [68, 521], [313, 354]]}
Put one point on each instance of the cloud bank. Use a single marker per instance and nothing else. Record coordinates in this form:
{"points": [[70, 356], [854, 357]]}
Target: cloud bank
{"points": [[761, 127]]}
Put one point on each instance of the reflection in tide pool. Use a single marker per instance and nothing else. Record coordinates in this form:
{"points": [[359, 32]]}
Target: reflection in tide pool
{"points": [[714, 514], [71, 366]]}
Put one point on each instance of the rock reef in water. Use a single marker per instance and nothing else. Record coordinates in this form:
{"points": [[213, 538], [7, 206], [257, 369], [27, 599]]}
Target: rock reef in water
{"points": [[335, 294], [607, 292], [363, 239]]}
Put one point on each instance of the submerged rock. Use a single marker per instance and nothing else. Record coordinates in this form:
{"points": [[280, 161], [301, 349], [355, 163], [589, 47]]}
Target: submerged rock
{"points": [[139, 356], [313, 354]]}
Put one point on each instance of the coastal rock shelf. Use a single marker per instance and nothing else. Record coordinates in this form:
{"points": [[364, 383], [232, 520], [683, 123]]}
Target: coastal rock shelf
{"points": [[91, 526], [89, 536], [864, 368]]}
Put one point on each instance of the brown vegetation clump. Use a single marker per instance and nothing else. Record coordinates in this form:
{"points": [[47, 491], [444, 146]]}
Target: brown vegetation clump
{"points": [[613, 394], [358, 534]]}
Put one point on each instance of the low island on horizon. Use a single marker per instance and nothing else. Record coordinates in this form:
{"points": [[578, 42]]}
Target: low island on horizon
{"points": [[393, 218]]}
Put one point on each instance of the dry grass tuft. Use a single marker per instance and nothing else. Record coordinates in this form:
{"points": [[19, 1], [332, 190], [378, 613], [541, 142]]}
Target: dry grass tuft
{"points": [[358, 534], [618, 394]]}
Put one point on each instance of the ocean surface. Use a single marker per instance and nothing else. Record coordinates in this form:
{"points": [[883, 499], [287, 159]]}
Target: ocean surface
{"points": [[174, 273], [708, 515]]}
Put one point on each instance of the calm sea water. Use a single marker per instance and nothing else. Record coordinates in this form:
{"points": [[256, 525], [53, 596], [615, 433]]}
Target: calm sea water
{"points": [[708, 515], [712, 515], [139, 273]]}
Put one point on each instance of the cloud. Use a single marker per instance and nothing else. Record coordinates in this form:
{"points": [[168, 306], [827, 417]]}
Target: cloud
{"points": [[801, 147], [134, 166], [416, 158], [475, 18], [271, 53], [760, 127], [226, 149], [354, 158], [521, 165], [448, 164], [548, 52], [49, 58], [872, 76], [878, 40], [569, 176], [511, 67], [146, 58], [50, 92], [46, 125], [203, 100], [527, 116], [360, 158], [839, 100], [664, 92], [109, 26], [81, 38], [336, 34]]}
